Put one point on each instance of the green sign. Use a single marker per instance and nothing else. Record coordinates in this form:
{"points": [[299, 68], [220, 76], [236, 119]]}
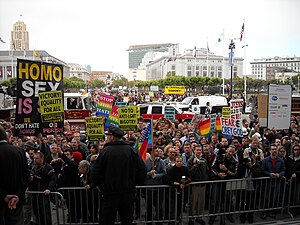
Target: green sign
{"points": [[51, 106]]}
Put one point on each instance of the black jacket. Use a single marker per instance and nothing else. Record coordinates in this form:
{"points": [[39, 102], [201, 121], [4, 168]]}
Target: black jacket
{"points": [[43, 178], [68, 176], [14, 172], [118, 169]]}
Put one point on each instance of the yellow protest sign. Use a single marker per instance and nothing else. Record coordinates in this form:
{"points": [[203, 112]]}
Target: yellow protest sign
{"points": [[128, 117], [226, 112], [174, 90], [51, 106], [94, 128]]}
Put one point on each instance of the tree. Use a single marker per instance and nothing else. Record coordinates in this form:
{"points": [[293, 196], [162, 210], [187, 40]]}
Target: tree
{"points": [[9, 82], [97, 83], [171, 74], [74, 82]]}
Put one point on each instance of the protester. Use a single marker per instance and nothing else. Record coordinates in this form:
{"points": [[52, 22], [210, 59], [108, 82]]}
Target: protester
{"points": [[117, 170], [14, 175]]}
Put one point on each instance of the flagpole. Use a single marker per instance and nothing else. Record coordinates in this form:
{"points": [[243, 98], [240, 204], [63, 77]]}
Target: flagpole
{"points": [[12, 65], [152, 150], [223, 63], [245, 65], [207, 56]]}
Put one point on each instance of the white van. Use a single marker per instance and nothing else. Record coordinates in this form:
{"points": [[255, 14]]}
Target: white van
{"points": [[197, 104]]}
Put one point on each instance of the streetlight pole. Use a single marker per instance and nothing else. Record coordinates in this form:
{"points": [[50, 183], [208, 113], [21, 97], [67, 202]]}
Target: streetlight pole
{"points": [[231, 47]]}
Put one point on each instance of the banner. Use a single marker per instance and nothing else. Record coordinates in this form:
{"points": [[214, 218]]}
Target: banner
{"points": [[236, 108], [105, 104], [34, 77], [174, 90], [226, 112], [121, 104], [113, 117], [170, 113], [213, 122], [128, 117], [279, 106], [94, 128], [232, 127], [52, 107]]}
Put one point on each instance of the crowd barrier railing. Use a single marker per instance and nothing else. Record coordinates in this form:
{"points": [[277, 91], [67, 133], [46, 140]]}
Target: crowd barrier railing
{"points": [[293, 201], [39, 208], [225, 197], [165, 204]]}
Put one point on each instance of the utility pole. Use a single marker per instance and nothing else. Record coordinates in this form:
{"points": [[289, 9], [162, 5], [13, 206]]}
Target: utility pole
{"points": [[231, 47]]}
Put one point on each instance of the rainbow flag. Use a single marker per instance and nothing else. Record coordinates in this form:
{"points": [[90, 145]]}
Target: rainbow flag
{"points": [[145, 141], [204, 127], [218, 124], [113, 117]]}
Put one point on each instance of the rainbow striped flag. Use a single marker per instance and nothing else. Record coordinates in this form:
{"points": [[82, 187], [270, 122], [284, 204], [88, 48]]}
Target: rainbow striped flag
{"points": [[113, 117], [145, 141], [204, 127]]}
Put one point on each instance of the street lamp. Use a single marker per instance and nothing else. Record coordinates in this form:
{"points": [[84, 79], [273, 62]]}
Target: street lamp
{"points": [[231, 47]]}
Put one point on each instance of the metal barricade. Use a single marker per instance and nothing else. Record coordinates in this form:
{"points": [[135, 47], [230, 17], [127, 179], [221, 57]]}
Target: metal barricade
{"points": [[157, 203], [293, 201], [43, 209], [164, 204], [152, 204], [82, 205], [225, 197]]}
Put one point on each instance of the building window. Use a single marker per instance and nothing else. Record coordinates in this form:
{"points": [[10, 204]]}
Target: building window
{"points": [[189, 73]]}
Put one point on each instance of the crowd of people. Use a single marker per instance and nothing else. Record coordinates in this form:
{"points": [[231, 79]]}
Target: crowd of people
{"points": [[180, 155]]}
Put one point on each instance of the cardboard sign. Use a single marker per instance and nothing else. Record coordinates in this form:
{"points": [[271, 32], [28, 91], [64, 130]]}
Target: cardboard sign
{"points": [[51, 106], [170, 113], [94, 128], [236, 108], [232, 127], [104, 105], [174, 90], [128, 117], [226, 112], [34, 77], [113, 117]]}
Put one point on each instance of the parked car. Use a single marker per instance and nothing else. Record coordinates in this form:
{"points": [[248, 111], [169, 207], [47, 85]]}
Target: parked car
{"points": [[156, 111], [197, 104]]}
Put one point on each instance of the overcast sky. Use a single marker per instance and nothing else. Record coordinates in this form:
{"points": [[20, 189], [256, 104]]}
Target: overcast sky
{"points": [[97, 33]]}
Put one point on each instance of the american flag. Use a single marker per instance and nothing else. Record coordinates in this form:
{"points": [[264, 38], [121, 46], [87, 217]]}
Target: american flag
{"points": [[242, 32], [145, 141]]}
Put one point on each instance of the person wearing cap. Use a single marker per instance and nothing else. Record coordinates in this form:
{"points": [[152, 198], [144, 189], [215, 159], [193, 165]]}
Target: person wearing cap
{"points": [[116, 172]]}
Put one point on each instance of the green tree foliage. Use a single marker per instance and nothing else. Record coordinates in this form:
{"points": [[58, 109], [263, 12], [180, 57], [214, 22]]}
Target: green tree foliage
{"points": [[120, 82], [97, 83], [9, 82], [74, 82]]}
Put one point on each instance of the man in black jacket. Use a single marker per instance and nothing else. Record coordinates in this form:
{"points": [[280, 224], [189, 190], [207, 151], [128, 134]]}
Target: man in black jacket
{"points": [[117, 170], [14, 175], [43, 179]]}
